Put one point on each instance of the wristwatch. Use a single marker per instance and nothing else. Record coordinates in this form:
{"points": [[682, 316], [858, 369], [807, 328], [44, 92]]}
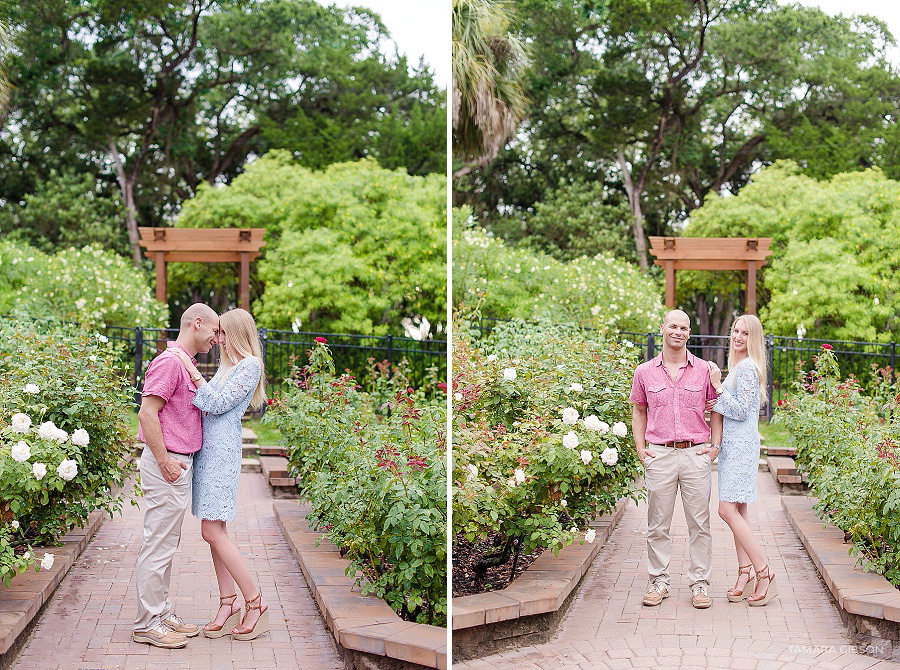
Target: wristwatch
{"points": [[196, 377]]}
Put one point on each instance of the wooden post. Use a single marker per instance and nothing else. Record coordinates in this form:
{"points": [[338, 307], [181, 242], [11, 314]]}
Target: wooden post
{"points": [[161, 276], [245, 281], [751, 287], [670, 284]]}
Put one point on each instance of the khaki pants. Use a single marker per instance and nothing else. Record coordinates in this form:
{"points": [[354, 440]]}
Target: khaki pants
{"points": [[166, 505], [664, 475]]}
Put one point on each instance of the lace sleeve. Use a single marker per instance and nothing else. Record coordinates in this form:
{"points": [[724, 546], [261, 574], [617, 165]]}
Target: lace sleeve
{"points": [[242, 380], [745, 397]]}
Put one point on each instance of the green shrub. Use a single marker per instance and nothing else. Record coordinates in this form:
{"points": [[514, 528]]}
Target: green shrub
{"points": [[517, 471], [849, 446], [70, 379], [376, 483], [89, 286]]}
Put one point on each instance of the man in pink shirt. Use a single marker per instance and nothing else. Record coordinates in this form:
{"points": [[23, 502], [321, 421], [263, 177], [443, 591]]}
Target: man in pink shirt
{"points": [[171, 429], [668, 395]]}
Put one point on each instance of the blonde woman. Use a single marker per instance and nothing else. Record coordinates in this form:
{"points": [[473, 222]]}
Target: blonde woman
{"points": [[238, 383], [733, 424]]}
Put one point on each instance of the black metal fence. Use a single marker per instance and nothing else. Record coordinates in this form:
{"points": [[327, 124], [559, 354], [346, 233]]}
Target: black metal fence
{"points": [[422, 361]]}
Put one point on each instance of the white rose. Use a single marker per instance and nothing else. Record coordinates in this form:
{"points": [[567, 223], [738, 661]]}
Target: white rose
{"points": [[509, 374], [570, 416], [586, 456], [619, 429], [576, 387], [471, 472], [15, 524], [610, 456], [47, 561], [80, 303], [519, 475], [457, 396], [491, 358], [59, 435], [592, 422], [81, 438], [590, 536], [564, 502], [570, 440], [20, 452], [573, 529], [47, 430], [21, 423], [595, 310], [511, 483], [103, 338], [32, 388], [39, 470], [67, 470]]}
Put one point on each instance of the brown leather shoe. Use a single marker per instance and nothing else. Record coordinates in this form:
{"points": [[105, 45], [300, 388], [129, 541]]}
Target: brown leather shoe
{"points": [[700, 598], [175, 623], [160, 636]]}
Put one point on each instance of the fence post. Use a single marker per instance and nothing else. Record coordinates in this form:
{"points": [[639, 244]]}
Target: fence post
{"points": [[770, 374], [138, 360], [651, 347], [390, 347], [893, 352]]}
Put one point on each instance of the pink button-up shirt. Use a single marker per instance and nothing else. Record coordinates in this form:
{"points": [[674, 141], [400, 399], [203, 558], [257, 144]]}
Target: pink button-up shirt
{"points": [[674, 409], [182, 429]]}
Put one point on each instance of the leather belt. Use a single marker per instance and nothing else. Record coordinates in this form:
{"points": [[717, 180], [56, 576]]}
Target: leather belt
{"points": [[680, 444]]}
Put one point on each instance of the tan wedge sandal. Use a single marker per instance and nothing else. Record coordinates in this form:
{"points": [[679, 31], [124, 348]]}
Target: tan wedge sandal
{"points": [[214, 631], [262, 623], [770, 593], [735, 596]]}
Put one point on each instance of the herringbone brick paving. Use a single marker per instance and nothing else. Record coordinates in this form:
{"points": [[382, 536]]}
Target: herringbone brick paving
{"points": [[87, 624], [608, 627]]}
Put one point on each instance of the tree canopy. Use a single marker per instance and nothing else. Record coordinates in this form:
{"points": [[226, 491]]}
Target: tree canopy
{"points": [[153, 99]]}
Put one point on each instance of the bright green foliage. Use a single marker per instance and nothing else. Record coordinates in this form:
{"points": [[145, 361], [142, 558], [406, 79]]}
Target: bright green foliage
{"points": [[508, 282], [515, 466], [354, 248], [833, 274], [849, 446], [89, 286], [377, 483], [69, 209], [76, 385]]}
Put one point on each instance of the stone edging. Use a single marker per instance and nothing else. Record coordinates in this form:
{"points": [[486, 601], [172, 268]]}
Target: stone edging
{"points": [[364, 626], [868, 603], [26, 594], [523, 607]]}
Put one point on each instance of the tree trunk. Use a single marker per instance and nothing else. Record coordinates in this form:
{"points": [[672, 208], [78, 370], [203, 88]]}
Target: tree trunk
{"points": [[126, 185], [637, 214]]}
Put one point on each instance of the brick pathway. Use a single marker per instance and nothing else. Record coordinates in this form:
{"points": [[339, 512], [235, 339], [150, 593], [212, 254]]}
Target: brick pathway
{"points": [[607, 626], [87, 624]]}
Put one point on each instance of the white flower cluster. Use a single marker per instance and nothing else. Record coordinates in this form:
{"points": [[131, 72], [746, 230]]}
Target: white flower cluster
{"points": [[21, 450], [570, 416]]}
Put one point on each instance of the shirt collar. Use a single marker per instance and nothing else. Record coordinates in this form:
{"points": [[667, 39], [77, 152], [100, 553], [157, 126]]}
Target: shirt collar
{"points": [[659, 359]]}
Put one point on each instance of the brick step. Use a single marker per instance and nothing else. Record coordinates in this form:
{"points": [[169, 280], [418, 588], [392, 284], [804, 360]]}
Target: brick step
{"points": [[275, 470], [248, 436], [784, 470], [273, 451], [790, 452], [250, 465]]}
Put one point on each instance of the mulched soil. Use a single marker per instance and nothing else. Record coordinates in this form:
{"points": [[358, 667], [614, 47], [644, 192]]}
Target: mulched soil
{"points": [[466, 555]]}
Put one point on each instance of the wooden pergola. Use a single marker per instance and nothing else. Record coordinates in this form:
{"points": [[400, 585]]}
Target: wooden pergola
{"points": [[203, 245], [711, 253]]}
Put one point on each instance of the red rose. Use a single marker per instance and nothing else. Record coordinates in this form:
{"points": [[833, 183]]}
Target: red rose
{"points": [[321, 340], [827, 347], [269, 401]]}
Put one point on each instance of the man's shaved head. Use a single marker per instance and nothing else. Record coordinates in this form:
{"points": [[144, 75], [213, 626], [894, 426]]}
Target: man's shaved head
{"points": [[676, 314], [198, 311]]}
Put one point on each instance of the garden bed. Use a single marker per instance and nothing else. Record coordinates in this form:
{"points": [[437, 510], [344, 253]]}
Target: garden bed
{"points": [[467, 555]]}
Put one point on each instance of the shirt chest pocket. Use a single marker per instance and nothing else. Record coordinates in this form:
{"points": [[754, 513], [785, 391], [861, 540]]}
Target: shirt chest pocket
{"points": [[691, 395], [658, 395]]}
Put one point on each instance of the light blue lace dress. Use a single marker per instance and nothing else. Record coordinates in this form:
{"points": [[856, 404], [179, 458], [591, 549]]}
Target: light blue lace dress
{"points": [[739, 457], [217, 465]]}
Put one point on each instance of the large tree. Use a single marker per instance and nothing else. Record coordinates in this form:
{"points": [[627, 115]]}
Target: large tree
{"points": [[158, 96], [666, 101]]}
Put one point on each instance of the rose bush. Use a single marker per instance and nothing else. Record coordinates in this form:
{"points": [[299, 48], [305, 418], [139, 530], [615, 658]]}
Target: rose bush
{"points": [[376, 481], [63, 433], [848, 443], [90, 286], [539, 453]]}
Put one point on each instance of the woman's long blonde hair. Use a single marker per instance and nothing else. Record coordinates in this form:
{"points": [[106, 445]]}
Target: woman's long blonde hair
{"points": [[756, 350], [242, 339]]}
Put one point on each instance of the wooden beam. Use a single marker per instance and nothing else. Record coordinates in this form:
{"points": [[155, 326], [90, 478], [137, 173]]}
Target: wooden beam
{"points": [[715, 265], [244, 290], [206, 256], [670, 284], [751, 287], [161, 287]]}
